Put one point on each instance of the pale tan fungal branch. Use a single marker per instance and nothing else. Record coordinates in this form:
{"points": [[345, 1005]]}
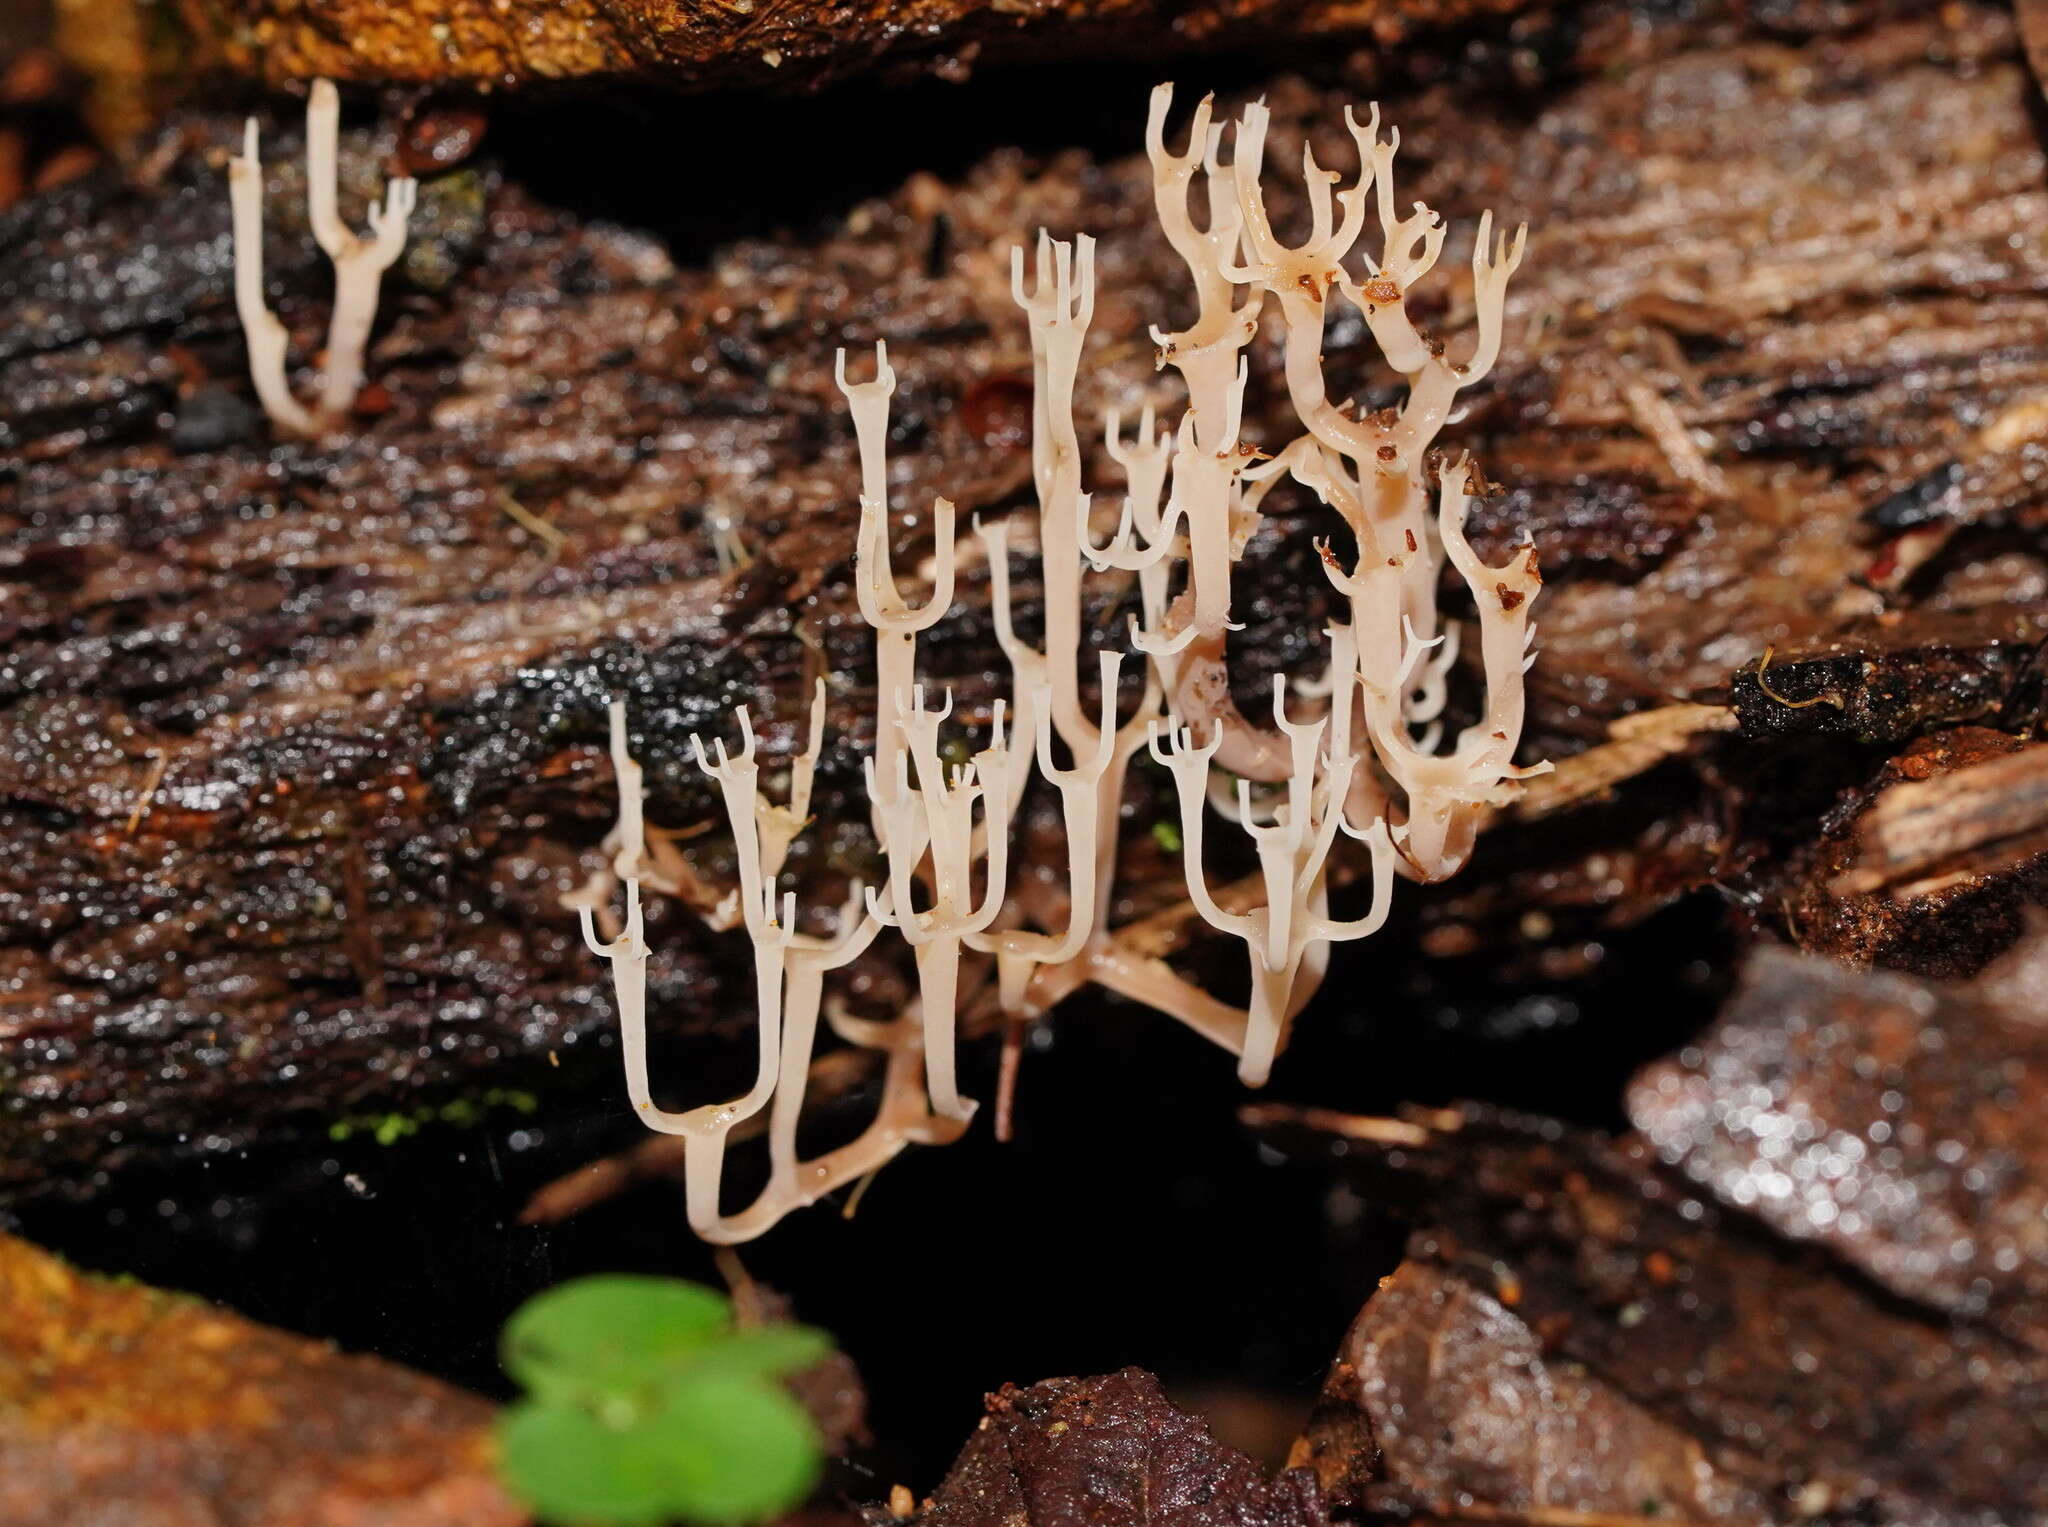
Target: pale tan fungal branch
{"points": [[926, 826], [1289, 936], [1034, 967], [1372, 470], [1445, 796], [1204, 521], [1372, 765], [1059, 305], [1449, 794], [1035, 972], [896, 623], [771, 935], [1021, 952], [359, 265], [789, 995], [930, 825], [1145, 461], [633, 853]]}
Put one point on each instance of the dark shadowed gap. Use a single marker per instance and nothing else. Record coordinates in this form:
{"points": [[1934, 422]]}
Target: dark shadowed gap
{"points": [[702, 170]]}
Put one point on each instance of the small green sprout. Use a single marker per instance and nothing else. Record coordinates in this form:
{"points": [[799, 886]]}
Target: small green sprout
{"points": [[646, 1405], [462, 1113], [1167, 836]]}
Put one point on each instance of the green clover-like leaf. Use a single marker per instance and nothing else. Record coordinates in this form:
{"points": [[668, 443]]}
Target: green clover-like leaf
{"points": [[647, 1407], [764, 1351], [612, 1334], [737, 1449], [573, 1469]]}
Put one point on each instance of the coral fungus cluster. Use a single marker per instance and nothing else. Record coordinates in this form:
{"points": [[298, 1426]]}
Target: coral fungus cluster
{"points": [[1370, 766]]}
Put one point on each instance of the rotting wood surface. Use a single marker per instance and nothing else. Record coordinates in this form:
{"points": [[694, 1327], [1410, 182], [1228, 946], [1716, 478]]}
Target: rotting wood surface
{"points": [[299, 744], [499, 44], [121, 1403]]}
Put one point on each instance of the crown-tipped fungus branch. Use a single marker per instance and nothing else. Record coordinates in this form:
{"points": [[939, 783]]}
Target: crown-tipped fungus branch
{"points": [[768, 927], [359, 265], [1021, 952], [788, 990], [1371, 469], [1286, 934], [1208, 460], [1059, 304], [932, 824], [896, 623], [1446, 794]]}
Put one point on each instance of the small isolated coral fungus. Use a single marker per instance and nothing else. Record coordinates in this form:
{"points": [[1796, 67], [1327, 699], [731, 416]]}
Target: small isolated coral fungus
{"points": [[1369, 767], [359, 266]]}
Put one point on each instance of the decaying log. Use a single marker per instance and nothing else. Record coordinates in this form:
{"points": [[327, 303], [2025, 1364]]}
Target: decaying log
{"points": [[300, 743], [1560, 1286], [1448, 1396], [1923, 835], [1903, 1125], [120, 1403], [1930, 866], [495, 44]]}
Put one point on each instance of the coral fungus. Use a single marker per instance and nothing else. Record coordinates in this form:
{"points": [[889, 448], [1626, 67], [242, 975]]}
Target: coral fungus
{"points": [[1369, 768]]}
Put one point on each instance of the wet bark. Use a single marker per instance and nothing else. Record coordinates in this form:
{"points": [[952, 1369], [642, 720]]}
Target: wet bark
{"points": [[299, 744], [484, 45], [1576, 1331]]}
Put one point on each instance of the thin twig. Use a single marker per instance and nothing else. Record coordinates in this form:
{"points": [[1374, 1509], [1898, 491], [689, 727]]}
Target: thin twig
{"points": [[155, 777], [548, 535], [1351, 1126], [1006, 1075], [1635, 744]]}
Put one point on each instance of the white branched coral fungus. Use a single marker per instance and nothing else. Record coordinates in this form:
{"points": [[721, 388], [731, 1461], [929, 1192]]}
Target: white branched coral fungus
{"points": [[359, 266], [1370, 766]]}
